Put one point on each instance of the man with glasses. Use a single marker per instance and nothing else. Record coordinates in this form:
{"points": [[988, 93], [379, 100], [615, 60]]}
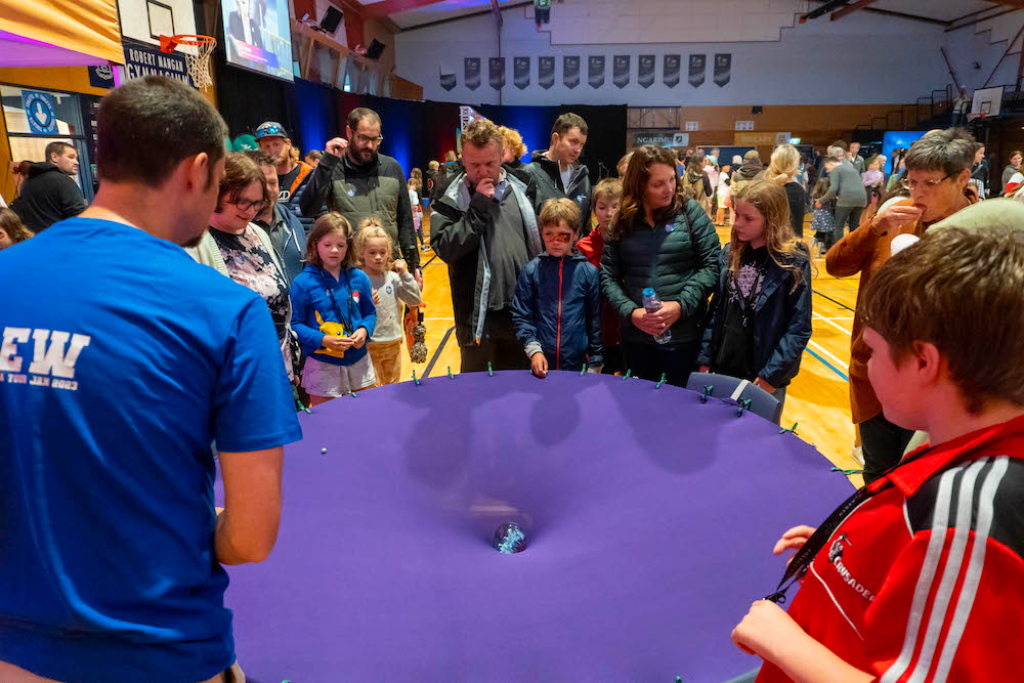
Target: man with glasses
{"points": [[355, 180], [938, 169]]}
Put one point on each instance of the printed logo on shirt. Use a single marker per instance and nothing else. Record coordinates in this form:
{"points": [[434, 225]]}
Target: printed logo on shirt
{"points": [[669, 227], [580, 198], [835, 558], [54, 355], [355, 296], [283, 196], [388, 289], [351, 193]]}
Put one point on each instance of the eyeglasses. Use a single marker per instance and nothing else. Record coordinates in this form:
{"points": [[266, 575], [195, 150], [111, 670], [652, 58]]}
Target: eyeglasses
{"points": [[370, 141], [245, 205], [557, 237], [912, 185]]}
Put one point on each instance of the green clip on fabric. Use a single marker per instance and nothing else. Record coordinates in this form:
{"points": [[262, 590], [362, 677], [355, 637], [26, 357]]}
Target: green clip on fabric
{"points": [[744, 404], [708, 390]]}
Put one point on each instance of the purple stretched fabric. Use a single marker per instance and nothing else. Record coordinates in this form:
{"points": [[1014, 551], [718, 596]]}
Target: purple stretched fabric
{"points": [[650, 521]]}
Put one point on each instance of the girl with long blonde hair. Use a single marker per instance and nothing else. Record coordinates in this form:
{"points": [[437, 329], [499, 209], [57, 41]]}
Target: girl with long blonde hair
{"points": [[783, 169], [761, 313]]}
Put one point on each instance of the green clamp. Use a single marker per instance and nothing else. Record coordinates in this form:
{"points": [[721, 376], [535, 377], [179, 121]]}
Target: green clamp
{"points": [[628, 374], [658, 386], [414, 378], [351, 393], [791, 430], [708, 390], [744, 404], [846, 472], [584, 370], [302, 407], [490, 371], [450, 375]]}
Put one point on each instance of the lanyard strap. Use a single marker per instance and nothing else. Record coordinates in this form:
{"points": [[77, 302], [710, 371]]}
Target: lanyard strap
{"points": [[345, 321]]}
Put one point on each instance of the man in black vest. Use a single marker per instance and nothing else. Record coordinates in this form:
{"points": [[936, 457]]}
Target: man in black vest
{"points": [[557, 171], [357, 181]]}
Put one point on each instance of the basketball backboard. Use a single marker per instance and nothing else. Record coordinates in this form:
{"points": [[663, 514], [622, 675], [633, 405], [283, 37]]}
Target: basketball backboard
{"points": [[146, 20]]}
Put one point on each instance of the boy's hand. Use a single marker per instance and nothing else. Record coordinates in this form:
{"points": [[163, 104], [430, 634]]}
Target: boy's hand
{"points": [[539, 364], [359, 338], [793, 539], [401, 267], [766, 630]]}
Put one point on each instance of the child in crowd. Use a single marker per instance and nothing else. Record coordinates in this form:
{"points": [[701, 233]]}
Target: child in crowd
{"points": [[392, 282], [557, 306], [724, 201], [920, 575], [333, 313], [607, 196], [12, 230], [823, 222], [417, 209], [873, 179], [761, 312]]}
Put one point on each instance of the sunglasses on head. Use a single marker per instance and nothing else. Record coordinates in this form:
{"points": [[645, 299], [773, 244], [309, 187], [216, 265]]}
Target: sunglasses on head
{"points": [[270, 131]]}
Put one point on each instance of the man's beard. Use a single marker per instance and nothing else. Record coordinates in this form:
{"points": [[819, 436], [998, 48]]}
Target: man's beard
{"points": [[365, 156]]}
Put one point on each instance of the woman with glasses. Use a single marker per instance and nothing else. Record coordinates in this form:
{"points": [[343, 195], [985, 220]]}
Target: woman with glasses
{"points": [[938, 169], [241, 250]]}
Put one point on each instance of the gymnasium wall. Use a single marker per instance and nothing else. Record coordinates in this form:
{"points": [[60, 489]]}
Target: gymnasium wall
{"points": [[861, 59], [975, 51]]}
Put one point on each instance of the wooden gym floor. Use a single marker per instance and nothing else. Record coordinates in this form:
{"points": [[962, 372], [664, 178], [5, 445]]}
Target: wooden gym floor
{"points": [[818, 399]]}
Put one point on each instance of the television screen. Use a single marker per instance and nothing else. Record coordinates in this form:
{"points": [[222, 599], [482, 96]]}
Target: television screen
{"points": [[258, 37]]}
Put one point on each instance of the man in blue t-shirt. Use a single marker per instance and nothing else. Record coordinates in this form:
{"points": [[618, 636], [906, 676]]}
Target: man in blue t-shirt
{"points": [[116, 375]]}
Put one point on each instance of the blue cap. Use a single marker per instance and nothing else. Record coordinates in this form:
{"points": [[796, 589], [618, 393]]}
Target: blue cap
{"points": [[271, 129], [649, 291]]}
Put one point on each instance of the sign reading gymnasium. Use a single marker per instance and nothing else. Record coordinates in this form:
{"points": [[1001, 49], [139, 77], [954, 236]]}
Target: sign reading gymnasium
{"points": [[141, 60]]}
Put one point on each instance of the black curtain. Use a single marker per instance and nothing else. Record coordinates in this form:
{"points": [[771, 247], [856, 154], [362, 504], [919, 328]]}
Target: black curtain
{"points": [[606, 142], [247, 99]]}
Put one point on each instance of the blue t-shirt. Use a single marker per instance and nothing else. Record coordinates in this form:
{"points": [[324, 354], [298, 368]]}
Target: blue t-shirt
{"points": [[121, 360]]}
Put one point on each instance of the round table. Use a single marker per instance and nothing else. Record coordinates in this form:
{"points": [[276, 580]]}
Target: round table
{"points": [[650, 519]]}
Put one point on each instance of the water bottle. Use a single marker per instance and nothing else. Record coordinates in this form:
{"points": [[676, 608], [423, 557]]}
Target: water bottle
{"points": [[651, 304]]}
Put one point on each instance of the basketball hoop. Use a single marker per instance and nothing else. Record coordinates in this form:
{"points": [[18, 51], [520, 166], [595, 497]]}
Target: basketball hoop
{"points": [[198, 64]]}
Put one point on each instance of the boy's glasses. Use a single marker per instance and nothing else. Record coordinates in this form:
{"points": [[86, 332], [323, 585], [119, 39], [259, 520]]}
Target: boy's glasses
{"points": [[245, 205], [558, 237]]}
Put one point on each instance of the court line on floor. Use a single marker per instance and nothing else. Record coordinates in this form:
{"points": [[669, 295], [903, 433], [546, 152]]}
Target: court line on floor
{"points": [[838, 327], [838, 303], [437, 352], [825, 352], [828, 365]]}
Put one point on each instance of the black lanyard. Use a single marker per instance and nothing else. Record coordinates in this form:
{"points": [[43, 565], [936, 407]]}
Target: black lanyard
{"points": [[346, 322]]}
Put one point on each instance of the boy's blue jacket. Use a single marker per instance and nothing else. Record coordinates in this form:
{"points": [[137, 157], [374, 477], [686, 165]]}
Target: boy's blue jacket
{"points": [[557, 309], [354, 297]]}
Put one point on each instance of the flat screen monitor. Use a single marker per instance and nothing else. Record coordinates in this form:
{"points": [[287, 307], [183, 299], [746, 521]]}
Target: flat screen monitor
{"points": [[258, 37]]}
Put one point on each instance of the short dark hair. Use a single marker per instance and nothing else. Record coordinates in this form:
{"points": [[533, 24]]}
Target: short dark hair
{"points": [[56, 147], [360, 113], [568, 121], [147, 127], [240, 171], [261, 158], [952, 289], [950, 151]]}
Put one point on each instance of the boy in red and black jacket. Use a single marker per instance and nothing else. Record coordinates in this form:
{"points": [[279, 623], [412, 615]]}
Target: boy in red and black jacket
{"points": [[920, 575]]}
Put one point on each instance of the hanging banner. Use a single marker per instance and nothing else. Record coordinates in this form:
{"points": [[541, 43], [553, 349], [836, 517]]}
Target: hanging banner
{"points": [[521, 72], [101, 76], [723, 68], [141, 60], [571, 71], [472, 73], [40, 112], [447, 76], [496, 66], [670, 73], [698, 66], [545, 72], [620, 70], [645, 71], [595, 71]]}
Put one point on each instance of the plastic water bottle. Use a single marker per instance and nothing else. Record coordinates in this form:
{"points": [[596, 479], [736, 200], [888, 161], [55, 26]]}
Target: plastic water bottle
{"points": [[651, 304]]}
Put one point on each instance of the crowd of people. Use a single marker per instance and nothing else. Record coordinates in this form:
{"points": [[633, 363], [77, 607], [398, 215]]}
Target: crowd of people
{"points": [[547, 273]]}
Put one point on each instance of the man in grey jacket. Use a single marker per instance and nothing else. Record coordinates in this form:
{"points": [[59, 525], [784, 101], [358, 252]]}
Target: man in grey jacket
{"points": [[846, 188]]}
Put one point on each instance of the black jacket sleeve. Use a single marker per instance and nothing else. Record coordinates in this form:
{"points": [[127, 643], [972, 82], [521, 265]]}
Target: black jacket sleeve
{"points": [[70, 198], [454, 235], [406, 226], [317, 187]]}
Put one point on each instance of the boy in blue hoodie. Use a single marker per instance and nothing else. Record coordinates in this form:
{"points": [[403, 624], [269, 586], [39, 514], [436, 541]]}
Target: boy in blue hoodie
{"points": [[557, 307], [333, 314]]}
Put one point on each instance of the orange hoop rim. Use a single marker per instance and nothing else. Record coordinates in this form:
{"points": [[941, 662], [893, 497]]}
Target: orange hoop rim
{"points": [[169, 43]]}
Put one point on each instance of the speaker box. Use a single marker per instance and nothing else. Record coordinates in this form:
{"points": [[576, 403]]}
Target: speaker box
{"points": [[756, 110], [331, 19], [375, 50]]}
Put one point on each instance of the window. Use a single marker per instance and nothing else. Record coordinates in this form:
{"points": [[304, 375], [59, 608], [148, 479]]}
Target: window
{"points": [[36, 117]]}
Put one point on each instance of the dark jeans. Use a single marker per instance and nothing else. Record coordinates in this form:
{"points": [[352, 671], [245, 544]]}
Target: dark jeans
{"points": [[844, 215], [882, 444], [650, 361]]}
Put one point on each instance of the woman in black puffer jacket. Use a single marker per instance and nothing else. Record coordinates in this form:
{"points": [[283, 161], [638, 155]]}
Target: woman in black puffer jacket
{"points": [[660, 240]]}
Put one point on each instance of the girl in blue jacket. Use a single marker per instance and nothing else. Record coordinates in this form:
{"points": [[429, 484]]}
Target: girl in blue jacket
{"points": [[761, 312], [333, 313]]}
